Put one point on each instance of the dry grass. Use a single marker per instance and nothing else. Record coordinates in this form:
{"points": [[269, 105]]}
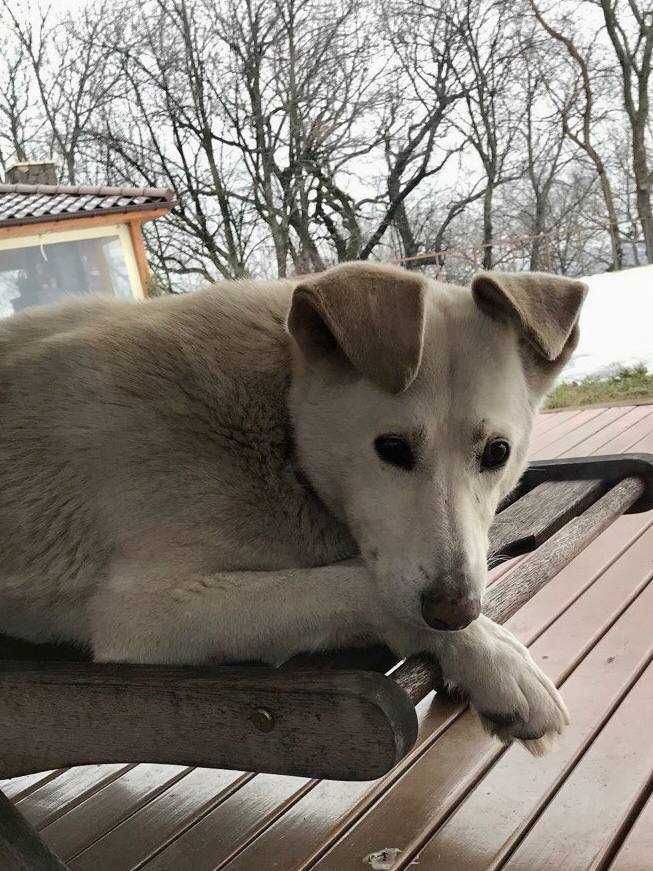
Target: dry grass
{"points": [[628, 383]]}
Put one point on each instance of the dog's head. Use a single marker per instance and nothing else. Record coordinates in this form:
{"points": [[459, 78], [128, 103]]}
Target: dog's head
{"points": [[412, 404]]}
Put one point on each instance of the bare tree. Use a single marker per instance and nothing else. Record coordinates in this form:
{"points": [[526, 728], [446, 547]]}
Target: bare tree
{"points": [[298, 133], [545, 158], [299, 94], [304, 130], [492, 107], [626, 195], [579, 120], [17, 119], [167, 133], [418, 136], [70, 79], [428, 184], [630, 28]]}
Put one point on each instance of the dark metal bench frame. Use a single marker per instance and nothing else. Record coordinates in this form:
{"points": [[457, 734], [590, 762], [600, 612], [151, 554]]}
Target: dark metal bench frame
{"points": [[350, 716]]}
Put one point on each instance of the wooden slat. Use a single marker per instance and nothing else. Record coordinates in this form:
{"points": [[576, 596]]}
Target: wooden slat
{"points": [[162, 820], [636, 852], [417, 676], [571, 442], [630, 429], [20, 847], [330, 806], [578, 826], [622, 427], [623, 581], [525, 524], [320, 805], [540, 443], [583, 571], [612, 422], [594, 443], [451, 767], [503, 568], [506, 596], [548, 420], [78, 827], [19, 787], [43, 805], [338, 724], [231, 826], [637, 438]]}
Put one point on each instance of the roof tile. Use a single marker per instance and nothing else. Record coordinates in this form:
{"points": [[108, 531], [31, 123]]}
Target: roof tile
{"points": [[25, 204]]}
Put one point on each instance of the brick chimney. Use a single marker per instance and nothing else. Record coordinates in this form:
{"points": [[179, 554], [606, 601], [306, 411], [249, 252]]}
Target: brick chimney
{"points": [[33, 172]]}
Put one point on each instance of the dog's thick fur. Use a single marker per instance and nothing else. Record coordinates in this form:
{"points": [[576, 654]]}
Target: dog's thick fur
{"points": [[195, 477]]}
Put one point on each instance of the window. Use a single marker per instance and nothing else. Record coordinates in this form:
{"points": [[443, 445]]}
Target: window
{"points": [[40, 270]]}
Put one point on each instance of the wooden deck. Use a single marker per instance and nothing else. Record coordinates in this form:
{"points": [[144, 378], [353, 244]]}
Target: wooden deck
{"points": [[460, 800]]}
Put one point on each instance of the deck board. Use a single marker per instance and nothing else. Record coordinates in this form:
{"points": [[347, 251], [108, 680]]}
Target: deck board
{"points": [[445, 774], [54, 798], [160, 822], [233, 824], [577, 828], [636, 850], [109, 806], [459, 800], [546, 421], [573, 442], [580, 422], [19, 787]]}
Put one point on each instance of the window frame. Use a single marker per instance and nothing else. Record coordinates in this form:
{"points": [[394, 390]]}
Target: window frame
{"points": [[53, 237]]}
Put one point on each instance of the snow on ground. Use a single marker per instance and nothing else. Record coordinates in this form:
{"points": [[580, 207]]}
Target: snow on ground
{"points": [[616, 323]]}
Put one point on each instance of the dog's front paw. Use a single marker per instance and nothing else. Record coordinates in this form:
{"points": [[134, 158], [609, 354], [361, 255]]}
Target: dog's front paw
{"points": [[511, 694]]}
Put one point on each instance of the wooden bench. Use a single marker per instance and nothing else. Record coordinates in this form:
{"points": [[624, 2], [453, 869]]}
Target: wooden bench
{"points": [[350, 716]]}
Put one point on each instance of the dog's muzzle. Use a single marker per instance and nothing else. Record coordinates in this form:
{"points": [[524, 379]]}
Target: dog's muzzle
{"points": [[449, 612]]}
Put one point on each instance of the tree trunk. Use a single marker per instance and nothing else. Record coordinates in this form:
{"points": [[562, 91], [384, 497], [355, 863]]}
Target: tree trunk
{"points": [[608, 198], [538, 232], [643, 185], [405, 231], [280, 253], [488, 253], [613, 221]]}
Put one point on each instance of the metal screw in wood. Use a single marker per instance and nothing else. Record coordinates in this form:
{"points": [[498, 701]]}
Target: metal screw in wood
{"points": [[262, 720]]}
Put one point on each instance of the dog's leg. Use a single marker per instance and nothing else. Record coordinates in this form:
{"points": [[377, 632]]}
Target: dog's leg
{"points": [[148, 613], [496, 673]]}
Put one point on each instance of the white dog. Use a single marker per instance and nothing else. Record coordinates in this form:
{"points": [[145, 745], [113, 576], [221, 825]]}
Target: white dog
{"points": [[261, 469]]}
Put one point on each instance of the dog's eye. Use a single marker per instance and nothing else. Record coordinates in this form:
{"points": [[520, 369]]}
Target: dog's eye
{"points": [[495, 454], [395, 450]]}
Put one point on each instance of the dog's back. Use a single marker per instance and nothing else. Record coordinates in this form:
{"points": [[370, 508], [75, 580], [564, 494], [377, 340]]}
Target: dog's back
{"points": [[139, 426]]}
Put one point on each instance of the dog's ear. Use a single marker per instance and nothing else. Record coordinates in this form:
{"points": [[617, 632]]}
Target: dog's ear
{"points": [[545, 308], [373, 315]]}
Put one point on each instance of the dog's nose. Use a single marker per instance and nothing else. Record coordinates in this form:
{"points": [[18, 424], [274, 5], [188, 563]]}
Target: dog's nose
{"points": [[443, 611]]}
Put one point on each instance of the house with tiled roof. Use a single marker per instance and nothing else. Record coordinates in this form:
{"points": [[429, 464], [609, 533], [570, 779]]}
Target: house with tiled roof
{"points": [[58, 240]]}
